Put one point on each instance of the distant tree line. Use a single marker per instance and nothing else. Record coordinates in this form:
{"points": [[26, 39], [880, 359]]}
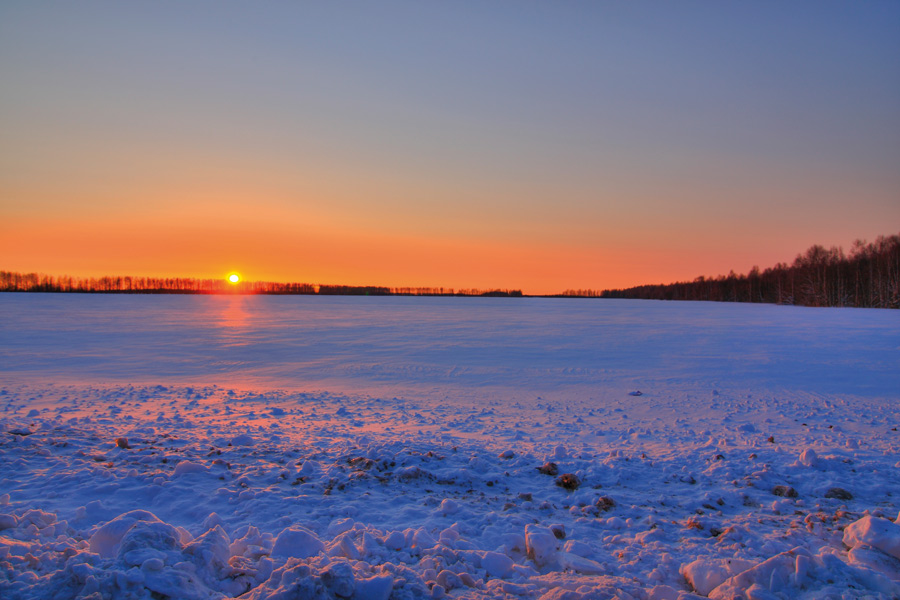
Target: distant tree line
{"points": [[869, 277], [35, 282], [579, 294]]}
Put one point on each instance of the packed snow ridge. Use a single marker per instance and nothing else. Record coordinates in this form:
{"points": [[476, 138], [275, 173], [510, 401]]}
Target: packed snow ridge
{"points": [[158, 492]]}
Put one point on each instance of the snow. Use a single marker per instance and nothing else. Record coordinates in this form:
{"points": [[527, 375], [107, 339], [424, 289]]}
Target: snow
{"points": [[705, 575], [541, 545], [809, 458], [393, 448], [875, 532], [107, 539], [298, 542]]}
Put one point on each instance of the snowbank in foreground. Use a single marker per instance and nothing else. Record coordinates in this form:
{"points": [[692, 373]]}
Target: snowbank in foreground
{"points": [[175, 492]]}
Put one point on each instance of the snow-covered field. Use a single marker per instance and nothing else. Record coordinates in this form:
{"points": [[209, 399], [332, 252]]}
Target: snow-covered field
{"points": [[375, 448]]}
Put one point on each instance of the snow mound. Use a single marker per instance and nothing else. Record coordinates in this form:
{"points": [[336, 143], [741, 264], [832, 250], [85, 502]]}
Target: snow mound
{"points": [[188, 467], [875, 532], [297, 542], [107, 539], [799, 574]]}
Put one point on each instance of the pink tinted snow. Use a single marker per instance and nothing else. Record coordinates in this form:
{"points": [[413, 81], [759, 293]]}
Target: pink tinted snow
{"points": [[417, 474]]}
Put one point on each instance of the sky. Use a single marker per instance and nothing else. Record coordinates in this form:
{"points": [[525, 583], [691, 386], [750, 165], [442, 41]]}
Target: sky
{"points": [[540, 146]]}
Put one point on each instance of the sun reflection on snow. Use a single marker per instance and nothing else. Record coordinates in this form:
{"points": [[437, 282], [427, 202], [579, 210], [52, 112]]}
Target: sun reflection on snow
{"points": [[234, 314]]}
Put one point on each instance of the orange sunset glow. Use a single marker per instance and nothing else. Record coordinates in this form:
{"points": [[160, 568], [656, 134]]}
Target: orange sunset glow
{"points": [[366, 149]]}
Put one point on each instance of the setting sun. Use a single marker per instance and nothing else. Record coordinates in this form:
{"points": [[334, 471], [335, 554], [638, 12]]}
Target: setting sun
{"points": [[234, 278]]}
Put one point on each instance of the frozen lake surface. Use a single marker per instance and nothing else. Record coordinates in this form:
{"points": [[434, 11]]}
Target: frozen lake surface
{"points": [[253, 447]]}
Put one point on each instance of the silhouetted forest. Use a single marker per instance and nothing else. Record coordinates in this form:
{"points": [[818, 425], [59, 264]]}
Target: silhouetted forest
{"points": [[35, 282], [869, 276], [579, 294]]}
